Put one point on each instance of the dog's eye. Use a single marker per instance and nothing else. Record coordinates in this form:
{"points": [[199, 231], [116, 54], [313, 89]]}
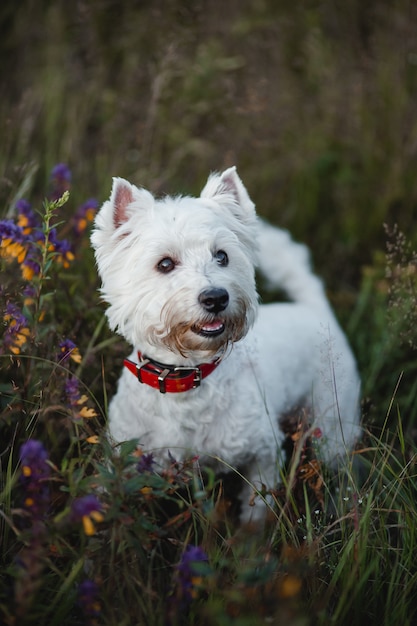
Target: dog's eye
{"points": [[166, 265], [221, 258]]}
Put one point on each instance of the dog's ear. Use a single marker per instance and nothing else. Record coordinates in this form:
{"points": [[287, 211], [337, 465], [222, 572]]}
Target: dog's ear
{"points": [[226, 186], [122, 195]]}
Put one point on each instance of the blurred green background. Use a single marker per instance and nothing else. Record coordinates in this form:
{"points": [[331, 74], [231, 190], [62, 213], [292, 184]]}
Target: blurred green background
{"points": [[314, 101]]}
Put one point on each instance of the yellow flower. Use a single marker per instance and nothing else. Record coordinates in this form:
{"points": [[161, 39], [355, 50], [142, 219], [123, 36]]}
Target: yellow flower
{"points": [[22, 337], [75, 355], [68, 349], [14, 249], [87, 413], [28, 272], [24, 222], [87, 510], [65, 259], [88, 524], [94, 439], [196, 582], [290, 586], [17, 339]]}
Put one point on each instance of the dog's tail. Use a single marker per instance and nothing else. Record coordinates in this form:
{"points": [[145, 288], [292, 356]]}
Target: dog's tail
{"points": [[285, 265]]}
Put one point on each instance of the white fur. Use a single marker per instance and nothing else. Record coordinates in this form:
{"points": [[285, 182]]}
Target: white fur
{"points": [[277, 357]]}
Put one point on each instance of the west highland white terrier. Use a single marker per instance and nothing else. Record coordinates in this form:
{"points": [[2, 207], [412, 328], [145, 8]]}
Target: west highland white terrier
{"points": [[212, 373]]}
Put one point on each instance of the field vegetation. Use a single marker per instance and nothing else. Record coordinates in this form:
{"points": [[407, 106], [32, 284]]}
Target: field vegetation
{"points": [[316, 103]]}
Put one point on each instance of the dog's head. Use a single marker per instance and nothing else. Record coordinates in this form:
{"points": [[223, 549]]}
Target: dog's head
{"points": [[178, 272]]}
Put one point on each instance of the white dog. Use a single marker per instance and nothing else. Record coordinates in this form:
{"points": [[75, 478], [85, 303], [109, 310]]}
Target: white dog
{"points": [[212, 372]]}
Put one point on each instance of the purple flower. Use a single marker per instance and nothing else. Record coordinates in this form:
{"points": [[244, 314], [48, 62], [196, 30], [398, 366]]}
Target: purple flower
{"points": [[10, 231], [72, 391], [19, 241], [29, 291], [62, 248], [12, 240], [13, 313], [53, 238], [61, 172], [145, 463], [23, 206], [85, 506], [17, 332], [30, 268], [191, 554], [87, 510], [34, 477], [68, 350], [88, 600], [27, 218], [29, 295], [33, 454], [60, 180], [85, 214], [64, 252], [190, 571]]}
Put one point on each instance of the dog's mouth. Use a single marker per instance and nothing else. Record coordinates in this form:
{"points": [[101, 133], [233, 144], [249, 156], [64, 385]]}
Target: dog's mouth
{"points": [[209, 329]]}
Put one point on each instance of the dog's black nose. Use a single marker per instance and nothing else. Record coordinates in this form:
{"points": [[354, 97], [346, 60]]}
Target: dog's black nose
{"points": [[214, 300]]}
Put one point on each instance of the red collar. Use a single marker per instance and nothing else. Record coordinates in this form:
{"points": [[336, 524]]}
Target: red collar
{"points": [[169, 378]]}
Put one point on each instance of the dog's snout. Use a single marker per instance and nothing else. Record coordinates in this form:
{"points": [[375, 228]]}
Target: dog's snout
{"points": [[214, 300]]}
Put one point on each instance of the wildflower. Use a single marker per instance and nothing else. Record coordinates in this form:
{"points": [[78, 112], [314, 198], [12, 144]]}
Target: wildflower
{"points": [[17, 332], [290, 586], [62, 249], [34, 477], [85, 214], [190, 571], [86, 412], [76, 400], [145, 463], [94, 439], [72, 391], [12, 240], [33, 457], [19, 241], [29, 295], [60, 180], [30, 268], [27, 219], [68, 350], [87, 510], [13, 313], [88, 601], [64, 253]]}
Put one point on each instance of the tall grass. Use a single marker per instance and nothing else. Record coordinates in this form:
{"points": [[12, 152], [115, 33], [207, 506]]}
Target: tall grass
{"points": [[93, 537], [315, 103]]}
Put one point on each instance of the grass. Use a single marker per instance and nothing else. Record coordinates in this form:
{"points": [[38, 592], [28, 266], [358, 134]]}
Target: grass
{"points": [[91, 537], [316, 106]]}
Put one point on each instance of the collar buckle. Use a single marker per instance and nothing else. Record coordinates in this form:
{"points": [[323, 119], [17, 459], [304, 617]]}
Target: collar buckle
{"points": [[142, 363], [197, 373], [161, 380]]}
